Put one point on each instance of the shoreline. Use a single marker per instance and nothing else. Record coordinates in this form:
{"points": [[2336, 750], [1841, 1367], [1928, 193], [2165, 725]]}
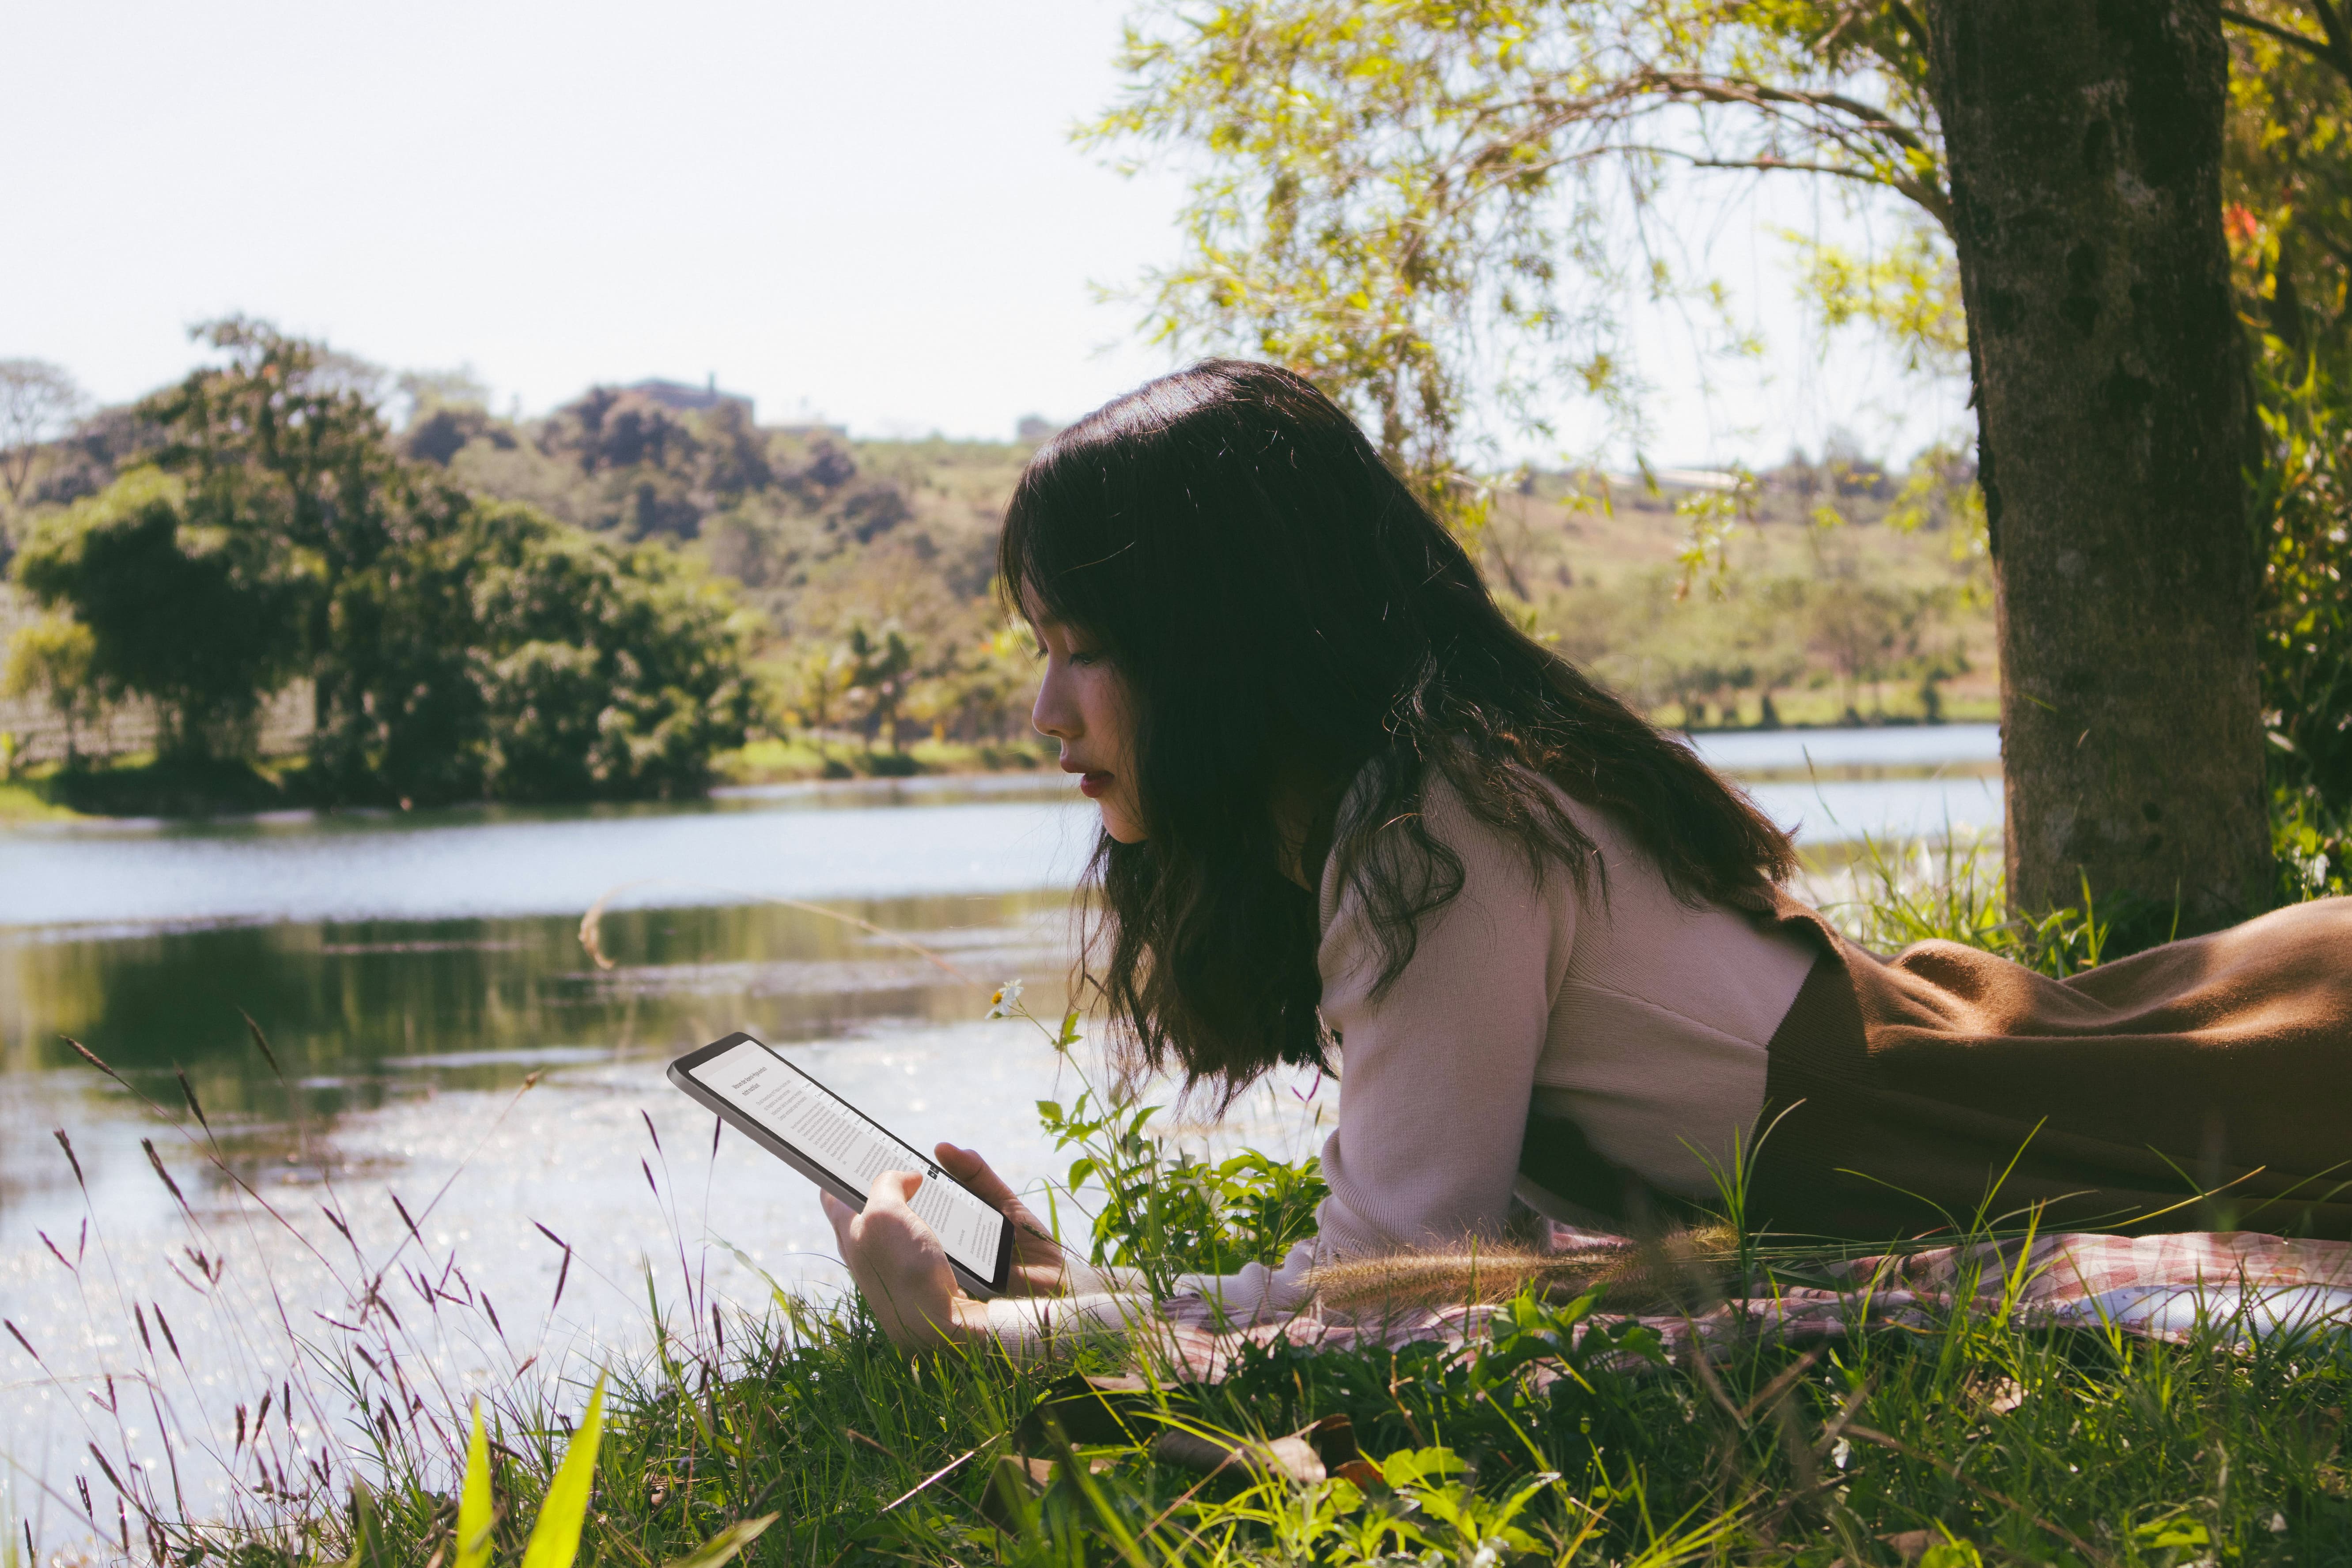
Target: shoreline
{"points": [[139, 792]]}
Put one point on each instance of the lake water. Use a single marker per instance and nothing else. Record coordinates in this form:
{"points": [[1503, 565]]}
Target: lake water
{"points": [[413, 974]]}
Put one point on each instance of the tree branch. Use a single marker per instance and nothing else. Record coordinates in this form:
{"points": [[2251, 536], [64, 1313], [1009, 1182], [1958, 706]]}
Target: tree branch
{"points": [[1758, 95], [2331, 22], [2321, 49], [1932, 197]]}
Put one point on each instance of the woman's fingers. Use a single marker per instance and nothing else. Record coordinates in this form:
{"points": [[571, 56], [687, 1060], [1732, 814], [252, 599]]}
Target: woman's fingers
{"points": [[885, 1234], [888, 1220], [1040, 1267], [966, 1166], [898, 1262], [893, 1186], [839, 1215]]}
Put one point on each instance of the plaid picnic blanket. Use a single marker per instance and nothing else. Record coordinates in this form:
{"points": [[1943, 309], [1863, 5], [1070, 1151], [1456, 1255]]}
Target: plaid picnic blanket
{"points": [[2234, 1284]]}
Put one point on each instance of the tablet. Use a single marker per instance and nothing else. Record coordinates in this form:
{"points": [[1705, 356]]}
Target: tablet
{"points": [[842, 1149]]}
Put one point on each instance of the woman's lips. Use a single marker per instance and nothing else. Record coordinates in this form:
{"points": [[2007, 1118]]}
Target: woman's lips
{"points": [[1092, 784]]}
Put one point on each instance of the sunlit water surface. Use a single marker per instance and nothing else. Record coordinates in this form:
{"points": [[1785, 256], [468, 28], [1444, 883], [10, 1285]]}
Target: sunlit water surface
{"points": [[446, 1048]]}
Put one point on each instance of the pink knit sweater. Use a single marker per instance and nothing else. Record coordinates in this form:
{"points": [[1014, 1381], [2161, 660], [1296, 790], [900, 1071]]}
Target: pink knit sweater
{"points": [[1643, 1019]]}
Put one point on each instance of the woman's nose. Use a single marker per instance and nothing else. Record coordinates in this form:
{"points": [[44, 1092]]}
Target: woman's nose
{"points": [[1052, 714]]}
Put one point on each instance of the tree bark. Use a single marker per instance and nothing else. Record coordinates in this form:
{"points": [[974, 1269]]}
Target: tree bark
{"points": [[2084, 139]]}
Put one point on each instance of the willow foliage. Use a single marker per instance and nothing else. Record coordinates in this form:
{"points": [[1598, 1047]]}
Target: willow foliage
{"points": [[1427, 206]]}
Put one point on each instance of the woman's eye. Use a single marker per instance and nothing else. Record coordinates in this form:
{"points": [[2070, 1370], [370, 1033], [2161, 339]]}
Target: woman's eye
{"points": [[1089, 656]]}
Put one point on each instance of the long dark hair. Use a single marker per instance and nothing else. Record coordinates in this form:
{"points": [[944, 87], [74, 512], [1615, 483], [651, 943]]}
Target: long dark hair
{"points": [[1275, 596]]}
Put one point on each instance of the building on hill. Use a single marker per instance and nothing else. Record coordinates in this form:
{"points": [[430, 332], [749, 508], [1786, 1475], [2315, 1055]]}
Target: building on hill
{"points": [[678, 395], [681, 398]]}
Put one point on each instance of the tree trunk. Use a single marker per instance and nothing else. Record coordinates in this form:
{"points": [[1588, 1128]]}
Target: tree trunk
{"points": [[2084, 139]]}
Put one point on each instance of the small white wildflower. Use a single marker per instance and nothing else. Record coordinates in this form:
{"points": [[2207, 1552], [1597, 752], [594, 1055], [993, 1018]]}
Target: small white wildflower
{"points": [[2278, 1523], [1006, 1003], [1842, 1453]]}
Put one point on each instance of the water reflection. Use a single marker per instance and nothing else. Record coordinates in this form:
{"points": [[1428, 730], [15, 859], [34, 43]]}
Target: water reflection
{"points": [[337, 1000], [361, 1014]]}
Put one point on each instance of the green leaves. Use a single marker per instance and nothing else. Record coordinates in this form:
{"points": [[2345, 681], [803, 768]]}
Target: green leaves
{"points": [[555, 1538], [1167, 1213], [475, 1518], [267, 530], [2180, 1536], [1435, 1482], [1951, 1553], [722, 1547], [512, 657], [1410, 1467], [1528, 1329], [1910, 294]]}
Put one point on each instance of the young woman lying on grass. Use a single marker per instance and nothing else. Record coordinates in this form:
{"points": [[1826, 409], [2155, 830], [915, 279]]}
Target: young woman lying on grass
{"points": [[1351, 815]]}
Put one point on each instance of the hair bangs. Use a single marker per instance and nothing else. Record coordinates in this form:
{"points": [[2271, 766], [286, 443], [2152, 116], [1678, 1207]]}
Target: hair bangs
{"points": [[1076, 527]]}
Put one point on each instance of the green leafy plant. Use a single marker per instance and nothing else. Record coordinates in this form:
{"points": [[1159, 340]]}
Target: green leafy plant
{"points": [[1163, 1210]]}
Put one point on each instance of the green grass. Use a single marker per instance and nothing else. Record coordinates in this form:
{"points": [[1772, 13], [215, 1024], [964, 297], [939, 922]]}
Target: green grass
{"points": [[1973, 1440], [803, 757], [1983, 1440], [139, 785], [24, 800]]}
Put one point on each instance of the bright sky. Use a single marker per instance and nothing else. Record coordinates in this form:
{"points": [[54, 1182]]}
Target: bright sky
{"points": [[871, 213]]}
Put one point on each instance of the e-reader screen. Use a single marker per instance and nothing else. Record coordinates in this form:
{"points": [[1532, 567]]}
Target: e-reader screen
{"points": [[827, 1132]]}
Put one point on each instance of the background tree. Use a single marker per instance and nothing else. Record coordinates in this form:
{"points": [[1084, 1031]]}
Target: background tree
{"points": [[882, 670], [506, 655], [193, 614], [282, 442], [603, 672], [38, 402], [2114, 434], [1430, 208], [54, 659], [1434, 208], [459, 647]]}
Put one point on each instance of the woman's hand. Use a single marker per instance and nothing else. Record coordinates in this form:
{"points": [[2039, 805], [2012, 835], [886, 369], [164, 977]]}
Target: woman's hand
{"points": [[1039, 1267], [902, 1270]]}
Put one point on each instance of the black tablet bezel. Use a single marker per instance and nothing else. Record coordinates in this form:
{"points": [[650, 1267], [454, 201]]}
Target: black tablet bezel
{"points": [[681, 1075]]}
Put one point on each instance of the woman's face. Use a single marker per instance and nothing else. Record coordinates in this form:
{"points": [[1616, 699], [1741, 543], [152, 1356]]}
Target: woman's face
{"points": [[1083, 703]]}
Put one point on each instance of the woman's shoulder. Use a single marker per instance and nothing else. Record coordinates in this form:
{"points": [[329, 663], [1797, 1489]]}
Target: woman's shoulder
{"points": [[1391, 828]]}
